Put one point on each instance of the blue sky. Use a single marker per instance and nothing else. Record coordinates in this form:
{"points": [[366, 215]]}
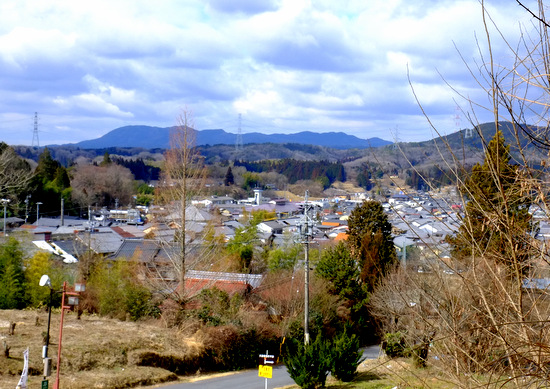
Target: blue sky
{"points": [[284, 65]]}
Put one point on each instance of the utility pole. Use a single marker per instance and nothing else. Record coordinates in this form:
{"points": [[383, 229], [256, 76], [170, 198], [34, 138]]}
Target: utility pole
{"points": [[62, 211], [305, 229], [37, 211], [27, 208], [5, 202]]}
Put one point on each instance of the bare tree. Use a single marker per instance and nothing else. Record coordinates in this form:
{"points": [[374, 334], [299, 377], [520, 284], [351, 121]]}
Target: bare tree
{"points": [[101, 185], [182, 179], [15, 173], [484, 311]]}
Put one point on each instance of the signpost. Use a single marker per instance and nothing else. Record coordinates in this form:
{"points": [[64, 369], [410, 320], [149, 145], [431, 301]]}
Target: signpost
{"points": [[265, 369]]}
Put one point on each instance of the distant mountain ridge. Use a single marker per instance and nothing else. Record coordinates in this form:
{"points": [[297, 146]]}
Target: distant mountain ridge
{"points": [[150, 137]]}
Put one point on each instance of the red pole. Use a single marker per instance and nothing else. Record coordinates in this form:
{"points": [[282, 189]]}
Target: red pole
{"points": [[63, 307]]}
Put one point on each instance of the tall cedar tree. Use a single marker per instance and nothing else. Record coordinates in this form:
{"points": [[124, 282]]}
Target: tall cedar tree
{"points": [[229, 179], [370, 241], [496, 223]]}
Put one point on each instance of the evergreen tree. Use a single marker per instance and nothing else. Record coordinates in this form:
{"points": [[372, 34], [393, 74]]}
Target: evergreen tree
{"points": [[496, 221], [12, 279], [343, 273], [106, 159], [309, 365], [229, 179], [47, 166], [371, 242], [346, 356]]}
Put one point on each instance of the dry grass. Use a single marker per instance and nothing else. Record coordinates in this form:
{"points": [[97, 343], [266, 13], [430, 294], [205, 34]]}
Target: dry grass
{"points": [[96, 353]]}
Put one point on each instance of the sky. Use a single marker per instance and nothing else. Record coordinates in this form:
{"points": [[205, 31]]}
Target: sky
{"points": [[284, 66]]}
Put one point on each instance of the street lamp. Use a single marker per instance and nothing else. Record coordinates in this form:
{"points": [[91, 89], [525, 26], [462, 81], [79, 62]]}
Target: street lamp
{"points": [[45, 281], [5, 202], [27, 208], [37, 211]]}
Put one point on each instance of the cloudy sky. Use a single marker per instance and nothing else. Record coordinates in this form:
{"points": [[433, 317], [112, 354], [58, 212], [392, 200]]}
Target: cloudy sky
{"points": [[284, 65]]}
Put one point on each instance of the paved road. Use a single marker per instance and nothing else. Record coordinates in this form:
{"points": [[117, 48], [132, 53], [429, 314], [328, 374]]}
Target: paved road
{"points": [[249, 379]]}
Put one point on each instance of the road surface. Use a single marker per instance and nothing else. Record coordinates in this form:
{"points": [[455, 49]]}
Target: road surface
{"points": [[249, 379]]}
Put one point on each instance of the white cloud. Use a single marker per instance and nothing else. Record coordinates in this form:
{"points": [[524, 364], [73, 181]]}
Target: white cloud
{"points": [[286, 65]]}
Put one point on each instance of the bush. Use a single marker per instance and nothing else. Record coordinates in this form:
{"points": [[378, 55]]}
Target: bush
{"points": [[394, 345], [233, 348], [309, 365], [345, 357]]}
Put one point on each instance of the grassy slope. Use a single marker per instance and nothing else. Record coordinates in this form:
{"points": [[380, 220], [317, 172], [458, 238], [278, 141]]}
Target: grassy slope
{"points": [[96, 352], [100, 353]]}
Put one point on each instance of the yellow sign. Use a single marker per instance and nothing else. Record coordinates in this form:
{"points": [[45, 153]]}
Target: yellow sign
{"points": [[265, 371]]}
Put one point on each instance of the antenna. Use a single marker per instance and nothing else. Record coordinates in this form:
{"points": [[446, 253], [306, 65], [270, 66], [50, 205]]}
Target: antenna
{"points": [[239, 141], [35, 141]]}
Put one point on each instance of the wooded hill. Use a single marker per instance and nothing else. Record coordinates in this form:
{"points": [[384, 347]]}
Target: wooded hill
{"points": [[416, 162]]}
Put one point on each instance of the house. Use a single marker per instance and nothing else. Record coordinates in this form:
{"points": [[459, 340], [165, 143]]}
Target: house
{"points": [[271, 227], [231, 283]]}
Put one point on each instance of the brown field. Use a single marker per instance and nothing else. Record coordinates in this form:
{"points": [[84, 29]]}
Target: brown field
{"points": [[96, 352]]}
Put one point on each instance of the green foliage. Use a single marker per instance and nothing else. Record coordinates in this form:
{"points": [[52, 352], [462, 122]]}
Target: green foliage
{"points": [[260, 215], [295, 170], [283, 258], [217, 308], [242, 244], [141, 170], [138, 303], [371, 242], [51, 182], [36, 266], [341, 271], [118, 291], [251, 181], [346, 356], [47, 166], [497, 220], [144, 199], [394, 345], [106, 159], [145, 189], [309, 365], [12, 279]]}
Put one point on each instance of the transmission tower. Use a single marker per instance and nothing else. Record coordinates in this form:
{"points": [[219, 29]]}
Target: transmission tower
{"points": [[468, 132], [239, 141], [396, 139], [35, 141]]}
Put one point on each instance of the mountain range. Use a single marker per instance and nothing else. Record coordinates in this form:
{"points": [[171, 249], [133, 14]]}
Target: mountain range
{"points": [[159, 137]]}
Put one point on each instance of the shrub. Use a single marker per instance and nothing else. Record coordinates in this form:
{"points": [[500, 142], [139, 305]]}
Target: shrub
{"points": [[345, 356], [394, 345], [233, 348], [309, 364]]}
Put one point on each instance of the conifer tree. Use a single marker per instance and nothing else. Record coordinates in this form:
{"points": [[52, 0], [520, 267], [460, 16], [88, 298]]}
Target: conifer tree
{"points": [[229, 179], [496, 222], [370, 241]]}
